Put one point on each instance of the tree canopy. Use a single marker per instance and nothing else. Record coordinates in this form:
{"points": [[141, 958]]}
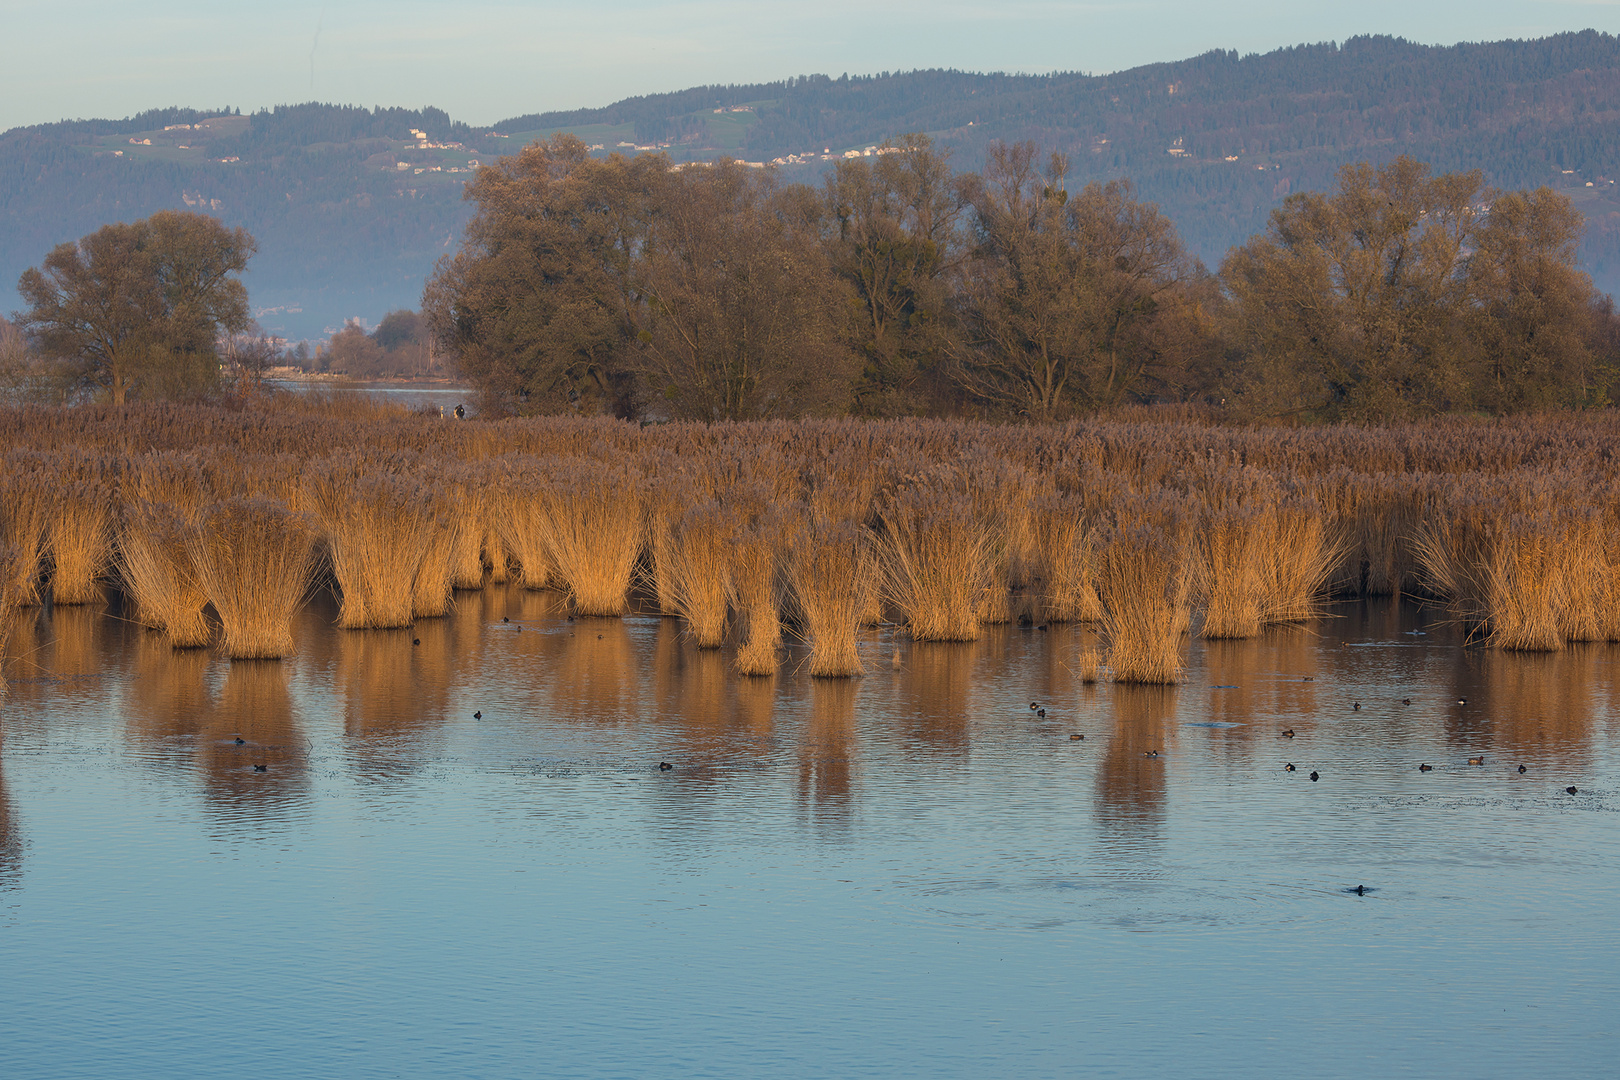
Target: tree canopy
{"points": [[137, 310]]}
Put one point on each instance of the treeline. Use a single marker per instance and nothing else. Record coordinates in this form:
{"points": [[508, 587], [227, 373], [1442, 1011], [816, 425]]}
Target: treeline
{"points": [[902, 287]]}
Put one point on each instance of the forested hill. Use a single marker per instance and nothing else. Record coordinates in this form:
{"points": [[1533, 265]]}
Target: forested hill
{"points": [[351, 206]]}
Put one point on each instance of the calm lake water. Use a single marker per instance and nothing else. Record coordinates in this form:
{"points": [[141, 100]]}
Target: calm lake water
{"points": [[908, 874], [408, 395]]}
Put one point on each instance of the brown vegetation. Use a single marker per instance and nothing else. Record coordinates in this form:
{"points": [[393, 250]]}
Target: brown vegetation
{"points": [[253, 559], [1151, 525]]}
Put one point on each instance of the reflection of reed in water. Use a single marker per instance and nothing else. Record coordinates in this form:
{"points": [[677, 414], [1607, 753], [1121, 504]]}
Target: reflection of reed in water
{"points": [[1131, 785], [721, 713], [74, 649], [1520, 701], [691, 683], [167, 695], [11, 844], [1263, 680], [936, 682], [596, 671], [392, 687], [256, 706], [827, 747]]}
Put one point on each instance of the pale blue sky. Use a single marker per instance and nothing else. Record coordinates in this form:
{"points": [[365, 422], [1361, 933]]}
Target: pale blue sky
{"points": [[486, 60]]}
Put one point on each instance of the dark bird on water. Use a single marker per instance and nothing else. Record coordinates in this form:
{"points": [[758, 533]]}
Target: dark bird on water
{"points": [[1315, 776], [664, 766], [478, 715], [1477, 760], [1288, 767], [1360, 890], [416, 641], [1034, 705], [1309, 678], [1573, 790], [1041, 713], [261, 768], [1406, 701], [241, 741], [1150, 753], [1425, 768], [1289, 734], [1521, 768], [505, 619]]}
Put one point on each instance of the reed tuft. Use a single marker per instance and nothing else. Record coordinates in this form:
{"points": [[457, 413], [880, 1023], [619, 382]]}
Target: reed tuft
{"points": [[253, 558]]}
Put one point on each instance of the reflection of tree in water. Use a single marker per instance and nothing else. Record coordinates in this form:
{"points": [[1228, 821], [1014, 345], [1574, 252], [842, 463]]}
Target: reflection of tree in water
{"points": [[936, 685], [1131, 786], [1527, 702], [826, 749], [256, 706]]}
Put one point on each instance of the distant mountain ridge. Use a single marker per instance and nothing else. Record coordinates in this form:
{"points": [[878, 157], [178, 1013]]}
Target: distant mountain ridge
{"points": [[352, 206]]}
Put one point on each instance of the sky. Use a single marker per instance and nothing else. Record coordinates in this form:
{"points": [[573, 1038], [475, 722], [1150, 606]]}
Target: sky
{"points": [[485, 61]]}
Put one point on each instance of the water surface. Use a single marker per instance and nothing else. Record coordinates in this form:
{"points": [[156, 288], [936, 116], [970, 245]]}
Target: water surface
{"points": [[908, 874]]}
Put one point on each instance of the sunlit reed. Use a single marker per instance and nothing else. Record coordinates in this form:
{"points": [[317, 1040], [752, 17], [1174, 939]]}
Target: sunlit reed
{"points": [[253, 558]]}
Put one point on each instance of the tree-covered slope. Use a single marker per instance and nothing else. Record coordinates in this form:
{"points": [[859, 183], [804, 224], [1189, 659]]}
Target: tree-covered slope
{"points": [[351, 207]]}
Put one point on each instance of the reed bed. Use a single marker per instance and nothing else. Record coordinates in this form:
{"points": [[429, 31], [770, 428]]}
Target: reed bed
{"points": [[24, 519], [1145, 579], [155, 563], [591, 525], [254, 558], [829, 579], [946, 526], [698, 568], [378, 526], [756, 596], [937, 562]]}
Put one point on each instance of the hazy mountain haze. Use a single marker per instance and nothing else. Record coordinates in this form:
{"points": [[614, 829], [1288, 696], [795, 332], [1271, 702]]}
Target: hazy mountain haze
{"points": [[482, 61]]}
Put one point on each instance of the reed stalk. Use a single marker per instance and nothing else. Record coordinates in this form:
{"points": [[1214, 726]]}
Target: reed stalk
{"points": [[699, 567], [755, 596], [592, 529], [378, 527], [154, 561], [828, 584], [936, 564], [1144, 579], [254, 558]]}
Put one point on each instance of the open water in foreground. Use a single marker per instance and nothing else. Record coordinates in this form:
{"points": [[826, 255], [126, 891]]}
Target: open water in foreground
{"points": [[908, 874]]}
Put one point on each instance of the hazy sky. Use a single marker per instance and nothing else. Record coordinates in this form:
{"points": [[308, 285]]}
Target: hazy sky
{"points": [[483, 61]]}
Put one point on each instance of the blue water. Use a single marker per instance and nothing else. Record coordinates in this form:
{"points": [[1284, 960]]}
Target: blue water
{"points": [[908, 874]]}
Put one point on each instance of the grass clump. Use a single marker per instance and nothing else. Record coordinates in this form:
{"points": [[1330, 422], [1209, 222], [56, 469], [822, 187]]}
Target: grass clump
{"points": [[253, 559]]}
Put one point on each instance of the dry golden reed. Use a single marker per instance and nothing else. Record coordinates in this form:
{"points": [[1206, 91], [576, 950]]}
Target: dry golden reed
{"points": [[154, 562], [699, 569], [829, 580], [24, 514], [936, 563], [591, 524], [755, 595], [1144, 579], [378, 527], [1060, 564], [254, 558]]}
